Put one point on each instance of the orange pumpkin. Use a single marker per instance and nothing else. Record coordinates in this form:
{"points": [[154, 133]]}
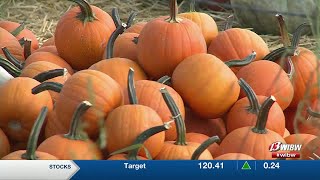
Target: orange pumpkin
{"points": [[166, 41], [4, 144], [206, 84], [30, 153], [125, 46], [200, 138], [302, 139], [244, 112], [9, 41], [286, 133], [73, 145], [82, 34], [234, 156], [253, 141], [136, 28], [311, 151], [51, 49]]}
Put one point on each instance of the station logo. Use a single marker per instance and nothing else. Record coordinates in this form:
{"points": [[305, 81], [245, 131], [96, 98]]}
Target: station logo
{"points": [[281, 150]]}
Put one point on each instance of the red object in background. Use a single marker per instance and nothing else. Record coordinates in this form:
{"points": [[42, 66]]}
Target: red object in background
{"points": [[214, 4]]}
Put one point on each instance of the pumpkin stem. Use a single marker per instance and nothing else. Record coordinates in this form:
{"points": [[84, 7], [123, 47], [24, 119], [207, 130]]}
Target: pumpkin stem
{"points": [[30, 153], [281, 52], [120, 29], [313, 113], [229, 22], [9, 67], [251, 95], [50, 74], [116, 17], [21, 41], [297, 34], [242, 62], [11, 58], [260, 127], [173, 12], [193, 6], [176, 116], [291, 69], [197, 153], [86, 14], [165, 80], [18, 30], [73, 133], [131, 19], [27, 48], [131, 89], [53, 86], [283, 31]]}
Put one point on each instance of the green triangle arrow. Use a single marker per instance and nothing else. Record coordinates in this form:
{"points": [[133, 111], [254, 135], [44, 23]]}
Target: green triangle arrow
{"points": [[246, 166]]}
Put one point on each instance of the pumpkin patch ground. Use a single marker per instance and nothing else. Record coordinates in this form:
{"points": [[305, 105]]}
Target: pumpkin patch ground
{"points": [[156, 80]]}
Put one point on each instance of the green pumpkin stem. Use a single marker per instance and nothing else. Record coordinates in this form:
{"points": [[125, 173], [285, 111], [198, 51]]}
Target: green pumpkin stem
{"points": [[229, 22], [21, 41], [131, 89], [173, 12], [18, 30], [283, 31], [176, 116], [27, 48], [131, 19], [120, 29], [53, 86], [297, 34], [197, 153], [30, 153], [50, 74], [86, 14], [74, 133], [281, 52], [9, 67], [313, 113], [165, 80], [260, 127], [242, 62], [116, 17], [17, 63], [193, 6], [251, 95]]}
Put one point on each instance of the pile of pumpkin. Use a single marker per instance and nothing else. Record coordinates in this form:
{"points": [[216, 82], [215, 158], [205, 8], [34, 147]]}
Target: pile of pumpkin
{"points": [[169, 89]]}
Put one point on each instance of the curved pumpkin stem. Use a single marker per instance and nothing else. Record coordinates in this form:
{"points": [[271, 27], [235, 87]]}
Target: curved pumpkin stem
{"points": [[18, 30], [229, 22], [165, 80], [120, 29], [30, 153], [242, 62], [281, 52], [27, 48], [9, 67], [283, 30], [131, 19], [291, 69], [50, 74], [176, 116], [86, 14], [131, 89], [251, 95], [173, 12], [260, 127], [197, 153], [313, 113], [53, 86], [297, 34], [116, 17], [73, 133], [11, 58]]}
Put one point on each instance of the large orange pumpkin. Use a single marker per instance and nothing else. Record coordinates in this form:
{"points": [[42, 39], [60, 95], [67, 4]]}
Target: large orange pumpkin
{"points": [[4, 144], [82, 34], [166, 41], [9, 41]]}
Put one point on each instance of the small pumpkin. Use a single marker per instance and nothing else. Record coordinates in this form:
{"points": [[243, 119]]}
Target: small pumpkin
{"points": [[135, 117], [166, 41], [30, 153], [253, 141], [82, 34], [4, 144], [125, 46], [302, 139], [234, 156], [73, 145], [9, 41], [311, 151], [201, 138], [51, 49], [136, 28]]}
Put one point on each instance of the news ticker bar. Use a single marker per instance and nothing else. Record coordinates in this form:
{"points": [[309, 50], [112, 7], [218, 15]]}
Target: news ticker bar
{"points": [[206, 170]]}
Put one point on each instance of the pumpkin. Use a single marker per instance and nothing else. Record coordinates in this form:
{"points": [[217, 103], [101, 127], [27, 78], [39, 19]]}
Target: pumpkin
{"points": [[9, 41], [205, 70], [19, 31], [237, 43], [206, 23], [234, 156], [73, 145], [137, 118], [209, 127], [268, 78], [302, 139], [132, 151], [17, 118], [49, 42], [256, 14], [82, 34], [125, 46], [51, 49], [165, 42], [181, 149], [146, 89], [311, 151], [244, 112], [286, 133], [30, 153], [4, 144], [136, 28], [253, 141], [201, 138]]}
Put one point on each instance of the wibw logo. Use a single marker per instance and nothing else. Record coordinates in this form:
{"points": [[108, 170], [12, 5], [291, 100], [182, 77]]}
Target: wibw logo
{"points": [[286, 150]]}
